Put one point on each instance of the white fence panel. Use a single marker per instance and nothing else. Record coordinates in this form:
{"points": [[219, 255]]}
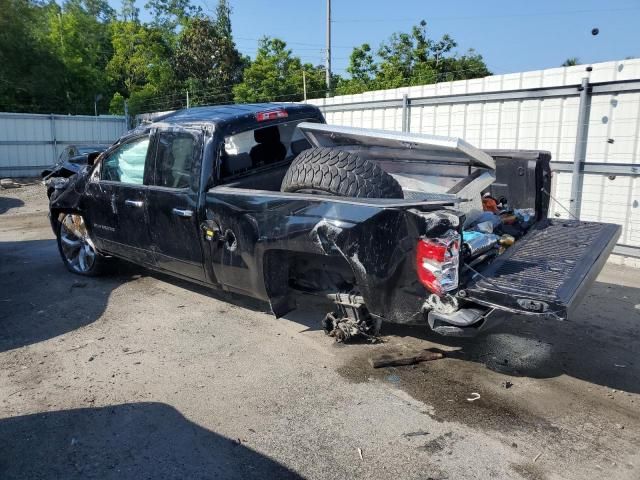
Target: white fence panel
{"points": [[30, 142]]}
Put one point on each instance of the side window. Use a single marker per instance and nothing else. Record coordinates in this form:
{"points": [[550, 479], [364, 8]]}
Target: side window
{"points": [[174, 158], [126, 163]]}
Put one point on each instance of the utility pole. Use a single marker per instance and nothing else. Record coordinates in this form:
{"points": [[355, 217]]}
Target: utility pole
{"points": [[328, 64], [187, 98], [304, 84], [126, 113]]}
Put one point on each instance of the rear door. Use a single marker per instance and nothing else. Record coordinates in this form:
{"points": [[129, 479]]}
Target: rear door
{"points": [[173, 201], [116, 201], [547, 271]]}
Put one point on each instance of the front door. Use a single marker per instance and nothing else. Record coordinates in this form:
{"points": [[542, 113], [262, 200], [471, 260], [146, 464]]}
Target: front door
{"points": [[117, 202], [172, 198]]}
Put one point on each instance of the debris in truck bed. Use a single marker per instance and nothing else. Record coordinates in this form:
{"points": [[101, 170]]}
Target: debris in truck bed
{"points": [[489, 204], [476, 243], [398, 360]]}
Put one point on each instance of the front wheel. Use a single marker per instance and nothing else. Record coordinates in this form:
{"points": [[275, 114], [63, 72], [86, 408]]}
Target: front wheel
{"points": [[76, 248]]}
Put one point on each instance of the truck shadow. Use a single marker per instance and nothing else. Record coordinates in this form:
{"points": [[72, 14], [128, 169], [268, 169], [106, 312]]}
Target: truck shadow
{"points": [[127, 441], [599, 345], [40, 299]]}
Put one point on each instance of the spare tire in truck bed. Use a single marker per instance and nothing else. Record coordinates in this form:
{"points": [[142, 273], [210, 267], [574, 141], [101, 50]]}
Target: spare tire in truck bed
{"points": [[339, 172]]}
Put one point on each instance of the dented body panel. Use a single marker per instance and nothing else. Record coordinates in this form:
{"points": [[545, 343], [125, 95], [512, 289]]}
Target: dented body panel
{"points": [[277, 246]]}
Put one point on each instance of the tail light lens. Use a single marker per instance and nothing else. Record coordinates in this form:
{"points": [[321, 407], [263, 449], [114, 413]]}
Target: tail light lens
{"points": [[437, 261]]}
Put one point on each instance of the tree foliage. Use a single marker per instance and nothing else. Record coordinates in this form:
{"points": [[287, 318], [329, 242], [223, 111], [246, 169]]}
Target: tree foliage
{"points": [[276, 74], [67, 56], [409, 59], [571, 62], [206, 59]]}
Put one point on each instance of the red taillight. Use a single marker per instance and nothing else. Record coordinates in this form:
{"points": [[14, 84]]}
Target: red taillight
{"points": [[437, 261], [271, 115]]}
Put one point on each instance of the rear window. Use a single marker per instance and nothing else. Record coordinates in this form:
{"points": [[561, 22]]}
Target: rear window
{"points": [[267, 145]]}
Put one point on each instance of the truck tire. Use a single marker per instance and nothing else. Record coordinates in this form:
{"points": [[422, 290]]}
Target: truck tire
{"points": [[339, 172]]}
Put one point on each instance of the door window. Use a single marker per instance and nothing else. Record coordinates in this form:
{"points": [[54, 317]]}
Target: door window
{"points": [[126, 163], [174, 158]]}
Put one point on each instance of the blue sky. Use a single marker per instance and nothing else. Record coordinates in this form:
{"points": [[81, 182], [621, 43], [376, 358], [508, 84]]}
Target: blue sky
{"points": [[511, 35]]}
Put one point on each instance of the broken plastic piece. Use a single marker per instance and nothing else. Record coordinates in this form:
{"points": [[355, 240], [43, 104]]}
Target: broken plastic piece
{"points": [[474, 396]]}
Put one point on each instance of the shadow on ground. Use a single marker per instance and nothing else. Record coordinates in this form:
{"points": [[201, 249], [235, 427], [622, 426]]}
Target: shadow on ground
{"points": [[7, 203], [40, 299], [599, 345], [129, 441]]}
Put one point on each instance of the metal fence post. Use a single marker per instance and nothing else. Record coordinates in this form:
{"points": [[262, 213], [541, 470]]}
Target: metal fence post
{"points": [[580, 151], [54, 140], [405, 112]]}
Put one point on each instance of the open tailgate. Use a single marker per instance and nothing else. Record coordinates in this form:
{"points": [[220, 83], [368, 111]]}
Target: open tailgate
{"points": [[548, 270]]}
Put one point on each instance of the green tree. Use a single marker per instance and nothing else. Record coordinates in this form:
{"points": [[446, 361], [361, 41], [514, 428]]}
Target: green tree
{"points": [[141, 67], [410, 59], [276, 75], [206, 58], [129, 12], [223, 18], [571, 62], [169, 14], [78, 35], [362, 69], [31, 76]]}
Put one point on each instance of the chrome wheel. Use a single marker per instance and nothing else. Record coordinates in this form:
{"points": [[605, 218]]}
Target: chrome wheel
{"points": [[76, 246]]}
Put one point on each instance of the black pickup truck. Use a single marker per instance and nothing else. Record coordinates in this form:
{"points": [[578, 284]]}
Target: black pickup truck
{"points": [[268, 201]]}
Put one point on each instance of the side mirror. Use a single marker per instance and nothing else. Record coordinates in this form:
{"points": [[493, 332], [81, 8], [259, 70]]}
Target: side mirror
{"points": [[91, 158]]}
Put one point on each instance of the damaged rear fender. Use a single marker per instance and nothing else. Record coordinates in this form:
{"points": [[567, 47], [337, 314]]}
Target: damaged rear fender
{"points": [[379, 253]]}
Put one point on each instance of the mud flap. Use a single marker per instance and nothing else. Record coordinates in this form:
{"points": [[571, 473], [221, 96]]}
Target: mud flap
{"points": [[548, 271]]}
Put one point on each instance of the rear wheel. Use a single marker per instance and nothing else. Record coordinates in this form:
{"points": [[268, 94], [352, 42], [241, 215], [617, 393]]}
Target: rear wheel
{"points": [[339, 172], [76, 248]]}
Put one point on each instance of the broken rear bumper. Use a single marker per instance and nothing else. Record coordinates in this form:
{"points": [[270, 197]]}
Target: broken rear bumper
{"points": [[465, 322]]}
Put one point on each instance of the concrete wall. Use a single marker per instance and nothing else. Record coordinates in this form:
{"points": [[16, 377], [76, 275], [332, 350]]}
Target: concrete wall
{"points": [[30, 142]]}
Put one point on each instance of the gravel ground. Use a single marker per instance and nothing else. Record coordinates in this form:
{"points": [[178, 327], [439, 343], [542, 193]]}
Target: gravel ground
{"points": [[138, 375]]}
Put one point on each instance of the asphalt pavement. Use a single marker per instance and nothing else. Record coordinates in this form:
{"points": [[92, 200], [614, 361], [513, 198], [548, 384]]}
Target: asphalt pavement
{"points": [[137, 375]]}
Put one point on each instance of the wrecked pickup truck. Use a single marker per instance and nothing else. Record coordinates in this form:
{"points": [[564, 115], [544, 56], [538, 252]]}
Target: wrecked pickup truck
{"points": [[267, 201]]}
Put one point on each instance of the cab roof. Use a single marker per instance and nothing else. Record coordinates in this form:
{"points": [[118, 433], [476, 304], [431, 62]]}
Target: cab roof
{"points": [[218, 114]]}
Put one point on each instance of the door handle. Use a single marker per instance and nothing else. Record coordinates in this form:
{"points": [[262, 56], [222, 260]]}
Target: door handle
{"points": [[182, 213], [134, 203]]}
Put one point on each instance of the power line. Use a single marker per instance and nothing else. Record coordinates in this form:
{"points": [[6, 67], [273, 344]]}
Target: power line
{"points": [[488, 16], [222, 91]]}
